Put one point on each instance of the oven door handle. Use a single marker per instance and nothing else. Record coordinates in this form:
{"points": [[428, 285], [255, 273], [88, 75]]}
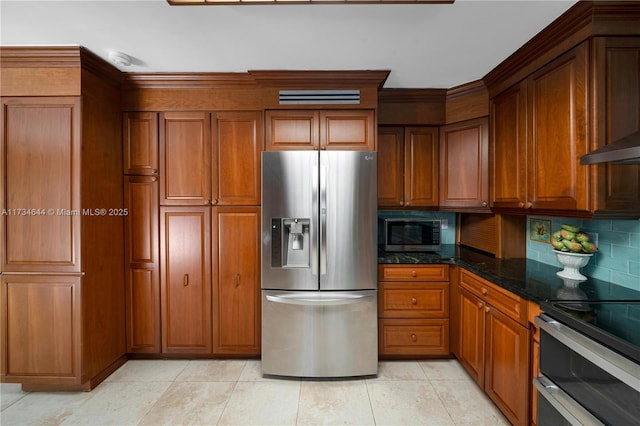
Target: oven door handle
{"points": [[618, 366], [572, 412]]}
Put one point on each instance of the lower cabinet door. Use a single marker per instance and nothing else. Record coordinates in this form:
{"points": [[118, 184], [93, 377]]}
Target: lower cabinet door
{"points": [[414, 337], [471, 330], [236, 280], [41, 333], [186, 279], [507, 379]]}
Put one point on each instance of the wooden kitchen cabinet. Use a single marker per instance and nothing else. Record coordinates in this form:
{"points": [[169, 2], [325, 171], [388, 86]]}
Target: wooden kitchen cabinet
{"points": [[494, 344], [236, 280], [62, 316], [140, 134], [464, 165], [185, 158], [408, 167], [533, 310], [413, 310], [237, 145], [142, 279], [321, 129], [539, 132], [185, 254]]}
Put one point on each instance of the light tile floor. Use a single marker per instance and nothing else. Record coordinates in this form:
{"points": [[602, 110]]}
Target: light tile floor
{"points": [[233, 392]]}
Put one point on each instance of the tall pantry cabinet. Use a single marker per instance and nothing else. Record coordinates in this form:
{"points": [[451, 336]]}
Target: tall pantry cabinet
{"points": [[61, 227], [201, 204]]}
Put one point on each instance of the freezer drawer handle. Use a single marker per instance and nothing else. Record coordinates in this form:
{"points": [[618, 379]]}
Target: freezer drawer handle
{"points": [[307, 301], [573, 412]]}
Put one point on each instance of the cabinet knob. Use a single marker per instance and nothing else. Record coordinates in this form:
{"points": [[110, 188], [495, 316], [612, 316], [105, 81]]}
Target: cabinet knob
{"points": [[323, 147], [214, 202], [185, 280], [401, 203], [484, 291], [414, 274], [407, 203], [487, 309], [480, 305], [484, 204], [414, 301], [414, 338], [521, 204], [529, 204]]}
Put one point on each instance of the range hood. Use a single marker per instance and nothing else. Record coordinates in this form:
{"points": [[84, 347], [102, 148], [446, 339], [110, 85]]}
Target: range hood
{"points": [[622, 151]]}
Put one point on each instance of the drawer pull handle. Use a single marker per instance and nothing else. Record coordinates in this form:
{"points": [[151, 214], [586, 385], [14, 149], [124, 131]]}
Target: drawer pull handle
{"points": [[414, 338], [236, 280], [414, 301], [185, 280]]}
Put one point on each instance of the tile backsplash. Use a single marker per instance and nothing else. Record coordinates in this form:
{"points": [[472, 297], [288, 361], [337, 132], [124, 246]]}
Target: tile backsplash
{"points": [[447, 236], [617, 259]]}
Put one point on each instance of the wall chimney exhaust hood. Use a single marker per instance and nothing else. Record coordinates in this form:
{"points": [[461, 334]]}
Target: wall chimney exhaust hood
{"points": [[622, 151]]}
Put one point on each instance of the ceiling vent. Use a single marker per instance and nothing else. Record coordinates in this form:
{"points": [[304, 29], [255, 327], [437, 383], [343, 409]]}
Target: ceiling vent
{"points": [[319, 97]]}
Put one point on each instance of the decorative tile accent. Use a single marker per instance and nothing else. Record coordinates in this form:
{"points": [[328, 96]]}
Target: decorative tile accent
{"points": [[540, 230]]}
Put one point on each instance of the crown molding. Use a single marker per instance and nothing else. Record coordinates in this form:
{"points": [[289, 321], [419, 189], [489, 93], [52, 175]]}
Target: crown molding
{"points": [[472, 88], [39, 56], [187, 80], [325, 79]]}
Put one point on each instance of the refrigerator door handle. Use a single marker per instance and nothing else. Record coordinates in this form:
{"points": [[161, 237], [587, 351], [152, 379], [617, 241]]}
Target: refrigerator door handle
{"points": [[306, 300], [314, 218], [323, 219]]}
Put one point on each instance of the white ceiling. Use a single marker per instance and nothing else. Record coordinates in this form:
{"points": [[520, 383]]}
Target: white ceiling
{"points": [[424, 46]]}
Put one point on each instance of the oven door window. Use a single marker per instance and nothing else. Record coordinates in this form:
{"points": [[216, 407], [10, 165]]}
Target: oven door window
{"points": [[606, 397]]}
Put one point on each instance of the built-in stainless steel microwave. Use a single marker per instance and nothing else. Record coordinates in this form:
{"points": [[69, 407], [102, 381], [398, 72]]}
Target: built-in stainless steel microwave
{"points": [[410, 234]]}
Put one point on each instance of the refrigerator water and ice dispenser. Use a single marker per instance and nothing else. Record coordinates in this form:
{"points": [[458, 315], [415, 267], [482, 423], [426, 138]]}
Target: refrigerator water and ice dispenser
{"points": [[290, 244]]}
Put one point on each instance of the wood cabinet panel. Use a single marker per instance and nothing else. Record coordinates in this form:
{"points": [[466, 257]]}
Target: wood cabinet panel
{"points": [[421, 166], [41, 181], [186, 285], [557, 107], [413, 272], [471, 344], [41, 336], [414, 336], [391, 166], [236, 287], [507, 380], [299, 130], [617, 105], [238, 143], [185, 158], [347, 130], [140, 143], [509, 148], [143, 269], [402, 300], [464, 165]]}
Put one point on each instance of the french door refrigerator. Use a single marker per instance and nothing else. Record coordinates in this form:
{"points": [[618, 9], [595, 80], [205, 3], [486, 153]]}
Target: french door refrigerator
{"points": [[319, 263]]}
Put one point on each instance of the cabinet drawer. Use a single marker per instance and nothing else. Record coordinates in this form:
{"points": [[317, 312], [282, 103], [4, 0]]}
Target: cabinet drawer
{"points": [[409, 300], [413, 272], [505, 301], [414, 337]]}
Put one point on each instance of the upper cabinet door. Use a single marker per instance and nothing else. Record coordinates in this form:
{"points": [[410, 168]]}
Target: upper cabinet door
{"points": [[391, 166], [40, 201], [557, 104], [237, 145], [347, 130], [421, 166], [292, 130], [185, 158], [140, 143], [464, 165], [509, 148]]}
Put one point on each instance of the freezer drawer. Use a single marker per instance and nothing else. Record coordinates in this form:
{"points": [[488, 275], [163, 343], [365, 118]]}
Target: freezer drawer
{"points": [[319, 334]]}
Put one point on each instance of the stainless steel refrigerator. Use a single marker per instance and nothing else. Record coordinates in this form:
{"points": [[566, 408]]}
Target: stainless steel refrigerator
{"points": [[319, 263]]}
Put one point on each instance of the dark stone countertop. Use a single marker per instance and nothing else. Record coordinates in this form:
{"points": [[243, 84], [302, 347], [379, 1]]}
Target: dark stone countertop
{"points": [[527, 278]]}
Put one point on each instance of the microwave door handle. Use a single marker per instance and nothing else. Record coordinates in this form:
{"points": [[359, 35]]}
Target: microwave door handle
{"points": [[569, 409]]}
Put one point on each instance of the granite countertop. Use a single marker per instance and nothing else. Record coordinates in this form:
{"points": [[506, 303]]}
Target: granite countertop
{"points": [[527, 278]]}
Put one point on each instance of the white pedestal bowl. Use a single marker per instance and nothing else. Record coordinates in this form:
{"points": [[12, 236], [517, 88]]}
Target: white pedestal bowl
{"points": [[572, 263]]}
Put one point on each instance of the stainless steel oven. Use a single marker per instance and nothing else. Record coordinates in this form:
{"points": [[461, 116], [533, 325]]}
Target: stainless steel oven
{"points": [[588, 375]]}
